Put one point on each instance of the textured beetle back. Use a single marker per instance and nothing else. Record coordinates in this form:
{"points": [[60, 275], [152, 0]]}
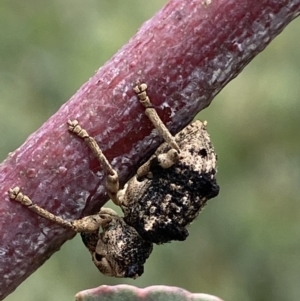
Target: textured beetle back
{"points": [[162, 204]]}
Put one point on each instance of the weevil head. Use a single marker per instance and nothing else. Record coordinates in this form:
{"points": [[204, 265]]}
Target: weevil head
{"points": [[118, 250]]}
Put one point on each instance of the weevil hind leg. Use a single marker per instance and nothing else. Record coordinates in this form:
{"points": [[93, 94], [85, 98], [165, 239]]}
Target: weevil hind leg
{"points": [[172, 156], [165, 160], [112, 178], [141, 91]]}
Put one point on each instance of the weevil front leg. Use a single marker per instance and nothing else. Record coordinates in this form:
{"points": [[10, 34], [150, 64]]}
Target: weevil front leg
{"points": [[172, 156], [112, 178], [87, 224]]}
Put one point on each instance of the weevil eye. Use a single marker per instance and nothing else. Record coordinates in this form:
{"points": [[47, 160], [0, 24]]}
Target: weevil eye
{"points": [[98, 257], [104, 265]]}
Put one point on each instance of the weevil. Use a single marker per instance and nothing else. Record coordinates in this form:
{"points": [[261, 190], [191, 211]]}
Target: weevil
{"points": [[159, 202]]}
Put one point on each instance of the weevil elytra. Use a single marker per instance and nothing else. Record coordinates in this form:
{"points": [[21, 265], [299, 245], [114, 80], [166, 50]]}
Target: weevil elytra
{"points": [[159, 202]]}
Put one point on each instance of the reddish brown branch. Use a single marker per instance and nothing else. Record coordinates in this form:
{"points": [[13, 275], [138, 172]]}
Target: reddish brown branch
{"points": [[186, 54]]}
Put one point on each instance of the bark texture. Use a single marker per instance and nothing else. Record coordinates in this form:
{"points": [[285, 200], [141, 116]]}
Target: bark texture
{"points": [[186, 53]]}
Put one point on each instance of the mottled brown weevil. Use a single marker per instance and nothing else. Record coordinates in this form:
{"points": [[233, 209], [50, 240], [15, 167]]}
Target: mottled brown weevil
{"points": [[159, 202]]}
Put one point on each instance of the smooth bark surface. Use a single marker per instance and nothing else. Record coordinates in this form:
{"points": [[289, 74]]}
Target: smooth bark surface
{"points": [[186, 53]]}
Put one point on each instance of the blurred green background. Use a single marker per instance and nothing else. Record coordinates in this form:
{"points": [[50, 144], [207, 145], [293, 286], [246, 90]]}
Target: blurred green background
{"points": [[245, 245]]}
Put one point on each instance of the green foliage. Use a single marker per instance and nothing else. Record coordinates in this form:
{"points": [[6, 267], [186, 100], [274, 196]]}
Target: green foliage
{"points": [[131, 293], [245, 245]]}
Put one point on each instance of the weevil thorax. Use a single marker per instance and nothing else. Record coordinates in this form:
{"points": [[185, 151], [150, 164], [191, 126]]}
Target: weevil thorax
{"points": [[161, 205], [117, 249]]}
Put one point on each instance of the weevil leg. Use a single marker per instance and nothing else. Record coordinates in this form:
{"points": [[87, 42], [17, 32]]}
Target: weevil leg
{"points": [[89, 223], [172, 156], [165, 160], [141, 91], [112, 178]]}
